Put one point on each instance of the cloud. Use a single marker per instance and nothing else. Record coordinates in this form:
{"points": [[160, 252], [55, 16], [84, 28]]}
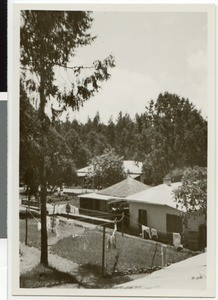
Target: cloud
{"points": [[197, 61], [130, 92], [197, 79], [126, 91]]}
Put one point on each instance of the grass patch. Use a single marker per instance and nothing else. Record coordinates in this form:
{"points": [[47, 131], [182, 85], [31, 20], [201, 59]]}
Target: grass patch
{"points": [[34, 235], [41, 276], [131, 253], [132, 257]]}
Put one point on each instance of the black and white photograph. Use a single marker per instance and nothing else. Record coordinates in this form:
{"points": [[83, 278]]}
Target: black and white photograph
{"points": [[114, 137]]}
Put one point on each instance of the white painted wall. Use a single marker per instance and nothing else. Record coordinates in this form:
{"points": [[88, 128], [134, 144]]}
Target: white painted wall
{"points": [[156, 215]]}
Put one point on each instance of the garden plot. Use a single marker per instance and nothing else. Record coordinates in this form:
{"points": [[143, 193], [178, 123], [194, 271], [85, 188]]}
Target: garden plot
{"points": [[132, 255], [83, 245]]}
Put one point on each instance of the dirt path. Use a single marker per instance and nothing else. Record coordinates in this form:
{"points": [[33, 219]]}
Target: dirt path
{"points": [[31, 257]]}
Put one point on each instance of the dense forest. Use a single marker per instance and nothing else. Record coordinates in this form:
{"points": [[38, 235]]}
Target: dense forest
{"points": [[167, 137]]}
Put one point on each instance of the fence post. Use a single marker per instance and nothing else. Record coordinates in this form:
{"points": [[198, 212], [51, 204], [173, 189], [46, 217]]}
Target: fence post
{"points": [[103, 250], [26, 227], [53, 217], [155, 250], [162, 256], [122, 222]]}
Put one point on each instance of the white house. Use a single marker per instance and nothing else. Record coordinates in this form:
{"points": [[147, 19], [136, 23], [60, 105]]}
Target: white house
{"points": [[132, 168], [156, 208]]}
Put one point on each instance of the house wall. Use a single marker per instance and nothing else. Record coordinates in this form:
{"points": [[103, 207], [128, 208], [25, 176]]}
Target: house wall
{"points": [[103, 206], [93, 204], [156, 215], [157, 218], [86, 203]]}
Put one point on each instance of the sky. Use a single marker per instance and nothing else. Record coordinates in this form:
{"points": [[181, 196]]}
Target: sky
{"points": [[154, 52]]}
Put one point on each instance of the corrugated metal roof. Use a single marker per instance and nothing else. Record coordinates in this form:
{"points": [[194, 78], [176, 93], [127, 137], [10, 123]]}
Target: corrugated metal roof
{"points": [[161, 194], [124, 188], [119, 190]]}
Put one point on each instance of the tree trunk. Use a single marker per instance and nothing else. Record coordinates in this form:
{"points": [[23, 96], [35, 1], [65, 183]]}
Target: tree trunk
{"points": [[44, 241]]}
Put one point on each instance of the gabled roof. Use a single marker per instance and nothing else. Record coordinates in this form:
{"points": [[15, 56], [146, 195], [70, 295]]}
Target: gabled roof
{"points": [[161, 195], [124, 188]]}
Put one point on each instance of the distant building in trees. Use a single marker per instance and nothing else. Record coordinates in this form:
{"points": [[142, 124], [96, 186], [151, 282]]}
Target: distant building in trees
{"points": [[132, 168]]}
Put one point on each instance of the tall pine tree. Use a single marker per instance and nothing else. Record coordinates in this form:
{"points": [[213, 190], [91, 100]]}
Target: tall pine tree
{"points": [[48, 40]]}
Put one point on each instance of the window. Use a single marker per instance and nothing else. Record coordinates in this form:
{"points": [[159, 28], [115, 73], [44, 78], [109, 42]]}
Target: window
{"points": [[174, 223], [143, 217]]}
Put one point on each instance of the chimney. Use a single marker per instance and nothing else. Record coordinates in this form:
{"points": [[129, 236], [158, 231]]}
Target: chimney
{"points": [[167, 180]]}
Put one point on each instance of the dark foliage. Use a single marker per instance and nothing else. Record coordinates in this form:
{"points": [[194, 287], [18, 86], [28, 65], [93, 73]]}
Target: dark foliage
{"points": [[168, 137]]}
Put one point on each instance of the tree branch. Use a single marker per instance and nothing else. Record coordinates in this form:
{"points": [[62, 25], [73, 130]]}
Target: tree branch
{"points": [[27, 69], [62, 66], [75, 67]]}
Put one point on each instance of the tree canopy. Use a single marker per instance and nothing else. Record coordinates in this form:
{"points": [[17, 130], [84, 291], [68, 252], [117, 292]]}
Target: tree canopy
{"points": [[177, 135], [169, 136], [105, 170], [60, 167], [192, 194], [48, 42]]}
